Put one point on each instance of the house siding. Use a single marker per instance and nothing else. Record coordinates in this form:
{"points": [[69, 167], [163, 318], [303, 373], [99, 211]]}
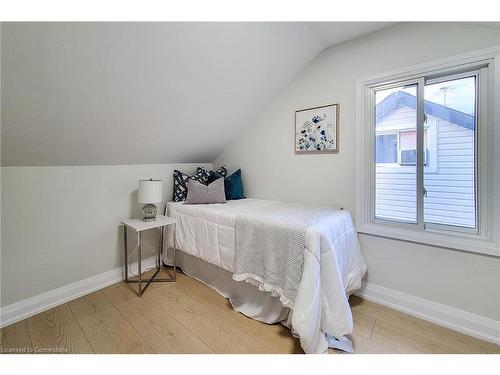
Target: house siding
{"points": [[449, 185]]}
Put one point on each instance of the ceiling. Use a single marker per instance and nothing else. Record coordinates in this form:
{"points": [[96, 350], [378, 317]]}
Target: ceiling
{"points": [[131, 93], [331, 33]]}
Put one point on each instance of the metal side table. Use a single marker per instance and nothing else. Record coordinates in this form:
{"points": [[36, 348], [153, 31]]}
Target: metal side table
{"points": [[139, 227]]}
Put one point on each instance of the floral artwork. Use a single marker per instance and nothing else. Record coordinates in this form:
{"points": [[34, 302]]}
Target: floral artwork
{"points": [[316, 129]]}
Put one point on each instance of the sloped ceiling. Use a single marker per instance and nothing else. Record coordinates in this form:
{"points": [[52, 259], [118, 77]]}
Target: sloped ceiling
{"points": [[331, 33], [130, 93]]}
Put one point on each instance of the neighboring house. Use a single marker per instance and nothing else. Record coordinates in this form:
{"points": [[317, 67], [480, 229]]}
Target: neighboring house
{"points": [[448, 162]]}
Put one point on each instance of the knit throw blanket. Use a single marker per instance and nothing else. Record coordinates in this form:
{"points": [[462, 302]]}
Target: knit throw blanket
{"points": [[270, 243]]}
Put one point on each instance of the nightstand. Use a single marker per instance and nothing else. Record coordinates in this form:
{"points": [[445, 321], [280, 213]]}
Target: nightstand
{"points": [[139, 227]]}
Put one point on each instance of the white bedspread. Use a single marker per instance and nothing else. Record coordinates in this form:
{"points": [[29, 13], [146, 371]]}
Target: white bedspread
{"points": [[333, 264], [270, 243]]}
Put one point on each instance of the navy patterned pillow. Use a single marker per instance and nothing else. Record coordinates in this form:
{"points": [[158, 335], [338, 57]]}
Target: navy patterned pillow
{"points": [[201, 175], [181, 179], [220, 172]]}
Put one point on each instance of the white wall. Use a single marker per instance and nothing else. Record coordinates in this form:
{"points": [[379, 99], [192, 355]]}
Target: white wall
{"points": [[270, 168], [61, 224]]}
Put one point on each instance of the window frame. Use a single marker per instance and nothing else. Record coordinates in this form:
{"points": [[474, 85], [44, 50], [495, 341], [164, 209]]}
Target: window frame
{"points": [[480, 240]]}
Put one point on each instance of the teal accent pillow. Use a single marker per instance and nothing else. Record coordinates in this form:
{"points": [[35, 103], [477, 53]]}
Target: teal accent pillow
{"points": [[234, 186]]}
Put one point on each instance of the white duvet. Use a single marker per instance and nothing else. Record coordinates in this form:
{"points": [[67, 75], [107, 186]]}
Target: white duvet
{"points": [[333, 264]]}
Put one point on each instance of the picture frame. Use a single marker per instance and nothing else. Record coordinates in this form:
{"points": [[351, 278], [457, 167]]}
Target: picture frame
{"points": [[317, 130]]}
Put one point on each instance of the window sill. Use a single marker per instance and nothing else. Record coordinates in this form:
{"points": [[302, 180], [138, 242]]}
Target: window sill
{"points": [[463, 242]]}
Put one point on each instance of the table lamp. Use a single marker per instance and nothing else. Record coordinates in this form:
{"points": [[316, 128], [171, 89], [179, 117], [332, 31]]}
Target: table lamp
{"points": [[150, 192]]}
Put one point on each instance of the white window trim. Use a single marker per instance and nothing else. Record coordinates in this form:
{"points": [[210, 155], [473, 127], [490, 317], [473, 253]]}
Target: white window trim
{"points": [[487, 240]]}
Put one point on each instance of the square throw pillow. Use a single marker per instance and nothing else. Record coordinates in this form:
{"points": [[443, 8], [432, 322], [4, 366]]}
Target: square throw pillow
{"points": [[181, 179], [198, 193], [234, 186], [201, 175], [220, 172]]}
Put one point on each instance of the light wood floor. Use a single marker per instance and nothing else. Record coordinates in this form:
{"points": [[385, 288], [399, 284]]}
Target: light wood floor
{"points": [[189, 317]]}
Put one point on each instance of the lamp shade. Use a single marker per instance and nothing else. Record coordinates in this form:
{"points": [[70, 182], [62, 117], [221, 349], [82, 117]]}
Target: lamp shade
{"points": [[150, 191]]}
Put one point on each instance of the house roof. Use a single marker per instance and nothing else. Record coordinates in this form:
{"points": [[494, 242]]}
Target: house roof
{"points": [[437, 110]]}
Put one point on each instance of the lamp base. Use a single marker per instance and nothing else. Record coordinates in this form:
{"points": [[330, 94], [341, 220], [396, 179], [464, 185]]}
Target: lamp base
{"points": [[149, 212]]}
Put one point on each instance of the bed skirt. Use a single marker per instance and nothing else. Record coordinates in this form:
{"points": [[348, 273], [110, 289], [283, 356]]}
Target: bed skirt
{"points": [[244, 297]]}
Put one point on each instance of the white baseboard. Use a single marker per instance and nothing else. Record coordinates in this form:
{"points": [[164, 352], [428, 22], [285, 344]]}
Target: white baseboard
{"points": [[31, 306], [447, 316]]}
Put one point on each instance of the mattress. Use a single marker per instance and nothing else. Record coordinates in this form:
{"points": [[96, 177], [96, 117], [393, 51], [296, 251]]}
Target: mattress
{"points": [[207, 231]]}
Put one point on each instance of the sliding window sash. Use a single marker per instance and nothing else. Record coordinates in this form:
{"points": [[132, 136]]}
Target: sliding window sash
{"points": [[420, 153], [419, 127], [480, 152]]}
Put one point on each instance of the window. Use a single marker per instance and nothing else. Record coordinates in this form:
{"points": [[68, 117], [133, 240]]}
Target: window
{"points": [[408, 147], [387, 148], [423, 141], [448, 109], [399, 148]]}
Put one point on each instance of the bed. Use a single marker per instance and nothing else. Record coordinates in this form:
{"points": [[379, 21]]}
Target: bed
{"points": [[211, 238]]}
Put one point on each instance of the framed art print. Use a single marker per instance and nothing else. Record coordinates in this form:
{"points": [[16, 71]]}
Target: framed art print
{"points": [[317, 130]]}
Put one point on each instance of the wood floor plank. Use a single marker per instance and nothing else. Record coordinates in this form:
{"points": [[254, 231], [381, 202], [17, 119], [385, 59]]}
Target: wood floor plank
{"points": [[364, 345], [15, 339], [57, 331], [206, 324], [407, 326], [408, 341], [161, 331], [363, 324], [274, 335], [105, 327]]}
